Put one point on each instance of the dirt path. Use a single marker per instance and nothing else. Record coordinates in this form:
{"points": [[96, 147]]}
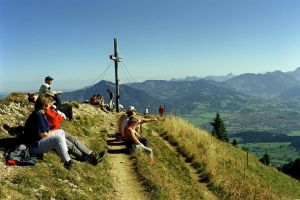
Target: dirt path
{"points": [[126, 183]]}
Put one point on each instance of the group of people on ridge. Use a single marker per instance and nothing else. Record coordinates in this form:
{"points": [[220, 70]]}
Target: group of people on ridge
{"points": [[98, 100], [42, 131], [130, 130]]}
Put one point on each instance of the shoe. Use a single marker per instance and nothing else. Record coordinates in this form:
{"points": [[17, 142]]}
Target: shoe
{"points": [[68, 165], [94, 158]]}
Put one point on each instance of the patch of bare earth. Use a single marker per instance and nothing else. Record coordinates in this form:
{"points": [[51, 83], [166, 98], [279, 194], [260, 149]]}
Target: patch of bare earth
{"points": [[126, 182]]}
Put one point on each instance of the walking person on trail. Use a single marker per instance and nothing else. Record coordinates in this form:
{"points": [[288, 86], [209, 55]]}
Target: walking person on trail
{"points": [[132, 141], [111, 97]]}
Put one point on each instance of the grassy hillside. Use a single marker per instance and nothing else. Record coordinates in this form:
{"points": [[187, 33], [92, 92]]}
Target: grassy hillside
{"points": [[225, 166], [222, 169], [49, 179]]}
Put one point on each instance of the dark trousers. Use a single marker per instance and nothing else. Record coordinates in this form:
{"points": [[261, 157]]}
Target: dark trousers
{"points": [[143, 140]]}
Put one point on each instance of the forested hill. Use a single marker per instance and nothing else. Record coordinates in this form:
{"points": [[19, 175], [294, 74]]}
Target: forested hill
{"points": [[184, 155]]}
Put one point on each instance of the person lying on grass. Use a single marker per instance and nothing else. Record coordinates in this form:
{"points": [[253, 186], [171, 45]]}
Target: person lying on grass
{"points": [[132, 141]]}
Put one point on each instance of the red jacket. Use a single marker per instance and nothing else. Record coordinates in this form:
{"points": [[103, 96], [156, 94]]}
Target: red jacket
{"points": [[54, 119]]}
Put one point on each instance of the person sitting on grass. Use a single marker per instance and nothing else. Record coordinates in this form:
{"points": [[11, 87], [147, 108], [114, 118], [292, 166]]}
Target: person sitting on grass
{"points": [[123, 122], [40, 139], [75, 147], [63, 107], [46, 88], [132, 141]]}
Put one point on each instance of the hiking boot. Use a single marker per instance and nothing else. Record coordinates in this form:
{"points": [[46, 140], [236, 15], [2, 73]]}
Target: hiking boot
{"points": [[68, 165], [95, 158]]}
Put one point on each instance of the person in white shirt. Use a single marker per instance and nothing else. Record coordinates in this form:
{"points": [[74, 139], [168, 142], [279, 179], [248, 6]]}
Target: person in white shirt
{"points": [[46, 86], [65, 108]]}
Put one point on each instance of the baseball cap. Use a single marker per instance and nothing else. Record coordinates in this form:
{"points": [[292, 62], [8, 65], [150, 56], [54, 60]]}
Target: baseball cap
{"points": [[49, 78]]}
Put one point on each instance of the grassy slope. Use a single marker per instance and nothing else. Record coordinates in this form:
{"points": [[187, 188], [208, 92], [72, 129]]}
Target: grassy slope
{"points": [[50, 179], [168, 178], [224, 165], [221, 164]]}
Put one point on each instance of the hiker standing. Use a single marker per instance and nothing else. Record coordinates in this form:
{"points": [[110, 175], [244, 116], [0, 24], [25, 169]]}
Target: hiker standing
{"points": [[161, 110], [111, 97], [146, 111]]}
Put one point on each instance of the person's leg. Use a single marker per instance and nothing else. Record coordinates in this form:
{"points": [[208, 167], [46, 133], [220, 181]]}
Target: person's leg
{"points": [[57, 142], [66, 109], [70, 112], [75, 145], [146, 149], [143, 140], [79, 150], [130, 146], [57, 99]]}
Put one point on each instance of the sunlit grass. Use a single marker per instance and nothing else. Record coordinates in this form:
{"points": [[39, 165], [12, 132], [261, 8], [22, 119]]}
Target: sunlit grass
{"points": [[225, 165], [168, 178], [49, 179]]}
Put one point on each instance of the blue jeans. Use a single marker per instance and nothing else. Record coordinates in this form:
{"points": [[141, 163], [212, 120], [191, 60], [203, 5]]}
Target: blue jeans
{"points": [[55, 142]]}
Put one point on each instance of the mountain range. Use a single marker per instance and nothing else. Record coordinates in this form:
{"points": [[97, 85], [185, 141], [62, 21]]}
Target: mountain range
{"points": [[248, 102], [129, 96], [184, 96]]}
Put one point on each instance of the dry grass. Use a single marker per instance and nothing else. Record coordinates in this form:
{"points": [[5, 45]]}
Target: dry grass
{"points": [[225, 165], [169, 178], [220, 164]]}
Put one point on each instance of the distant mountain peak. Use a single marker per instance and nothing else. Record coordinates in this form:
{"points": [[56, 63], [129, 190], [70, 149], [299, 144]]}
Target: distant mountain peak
{"points": [[219, 78], [297, 69]]}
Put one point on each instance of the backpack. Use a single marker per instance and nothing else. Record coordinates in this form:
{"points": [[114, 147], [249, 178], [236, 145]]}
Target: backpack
{"points": [[20, 155]]}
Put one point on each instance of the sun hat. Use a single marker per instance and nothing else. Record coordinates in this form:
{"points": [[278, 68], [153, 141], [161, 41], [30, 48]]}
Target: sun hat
{"points": [[130, 108]]}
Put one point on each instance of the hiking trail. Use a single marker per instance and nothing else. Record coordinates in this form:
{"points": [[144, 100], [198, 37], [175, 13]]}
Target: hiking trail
{"points": [[126, 183]]}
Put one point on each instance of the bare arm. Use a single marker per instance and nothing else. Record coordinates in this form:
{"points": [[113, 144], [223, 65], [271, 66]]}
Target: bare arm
{"points": [[145, 120], [45, 134]]}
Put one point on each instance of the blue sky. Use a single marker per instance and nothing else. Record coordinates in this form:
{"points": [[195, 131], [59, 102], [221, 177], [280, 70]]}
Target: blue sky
{"points": [[71, 40]]}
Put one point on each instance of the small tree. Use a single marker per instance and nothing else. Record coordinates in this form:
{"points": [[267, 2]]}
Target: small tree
{"points": [[234, 142], [265, 159], [292, 168], [219, 130]]}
